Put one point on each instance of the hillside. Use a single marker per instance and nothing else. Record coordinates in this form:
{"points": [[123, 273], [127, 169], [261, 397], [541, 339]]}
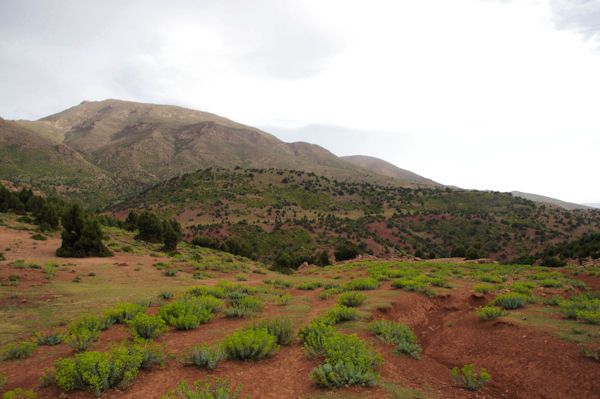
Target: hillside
{"points": [[286, 212], [135, 145], [385, 168], [26, 158], [548, 200]]}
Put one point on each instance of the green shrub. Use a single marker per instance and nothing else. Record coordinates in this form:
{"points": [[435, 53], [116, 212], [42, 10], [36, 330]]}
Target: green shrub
{"points": [[18, 350], [551, 283], [148, 327], [244, 307], [310, 285], [100, 371], [206, 356], [484, 288], [283, 299], [523, 287], [250, 344], [582, 306], [18, 393], [468, 378], [313, 335], [556, 300], [340, 313], [591, 353], [165, 295], [407, 284], [588, 316], [81, 338], [397, 334], [510, 300], [281, 329], [2, 380], [490, 312], [348, 361], [351, 298], [48, 338], [329, 293], [187, 313], [123, 312], [204, 390], [361, 284]]}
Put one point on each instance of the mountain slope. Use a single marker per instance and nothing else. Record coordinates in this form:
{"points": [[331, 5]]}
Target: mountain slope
{"points": [[28, 158], [142, 144], [549, 200], [385, 168]]}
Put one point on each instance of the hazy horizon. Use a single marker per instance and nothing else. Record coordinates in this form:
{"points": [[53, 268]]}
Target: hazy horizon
{"points": [[480, 94]]}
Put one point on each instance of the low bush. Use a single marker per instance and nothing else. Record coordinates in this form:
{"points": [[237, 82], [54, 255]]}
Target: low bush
{"points": [[18, 350], [361, 284], [19, 393], [468, 378], [348, 361], [123, 312], [187, 313], [100, 371], [340, 313], [204, 356], [351, 299], [584, 307], [313, 335], [551, 283], [83, 331], [591, 353], [556, 300], [2, 380], [329, 293], [523, 287], [490, 312], [407, 284], [281, 329], [250, 344], [48, 338], [204, 390], [165, 295], [397, 334], [245, 306], [484, 288], [148, 327], [510, 300], [310, 285], [283, 299]]}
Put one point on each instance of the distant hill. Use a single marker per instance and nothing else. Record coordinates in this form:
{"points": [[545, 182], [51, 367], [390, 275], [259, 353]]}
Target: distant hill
{"points": [[593, 205], [548, 200], [279, 211], [134, 145], [387, 169]]}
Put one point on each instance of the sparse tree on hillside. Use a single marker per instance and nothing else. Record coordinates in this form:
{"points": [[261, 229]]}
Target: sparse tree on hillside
{"points": [[171, 234], [131, 221], [150, 227]]}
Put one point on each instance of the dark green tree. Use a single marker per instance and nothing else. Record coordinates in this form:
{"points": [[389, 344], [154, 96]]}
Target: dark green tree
{"points": [[131, 221], [323, 258], [346, 250], [171, 234], [81, 235], [150, 227]]}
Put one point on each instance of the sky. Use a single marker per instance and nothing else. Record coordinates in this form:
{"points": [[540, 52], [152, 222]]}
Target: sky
{"points": [[482, 94]]}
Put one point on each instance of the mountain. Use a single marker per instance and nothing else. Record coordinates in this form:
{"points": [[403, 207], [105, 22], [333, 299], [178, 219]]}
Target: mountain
{"points": [[593, 205], [132, 146], [385, 168], [28, 158], [549, 200]]}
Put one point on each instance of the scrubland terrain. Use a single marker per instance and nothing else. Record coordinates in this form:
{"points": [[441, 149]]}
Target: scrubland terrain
{"points": [[533, 350]]}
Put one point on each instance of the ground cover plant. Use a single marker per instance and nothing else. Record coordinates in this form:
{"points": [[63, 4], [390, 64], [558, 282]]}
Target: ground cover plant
{"points": [[469, 378]]}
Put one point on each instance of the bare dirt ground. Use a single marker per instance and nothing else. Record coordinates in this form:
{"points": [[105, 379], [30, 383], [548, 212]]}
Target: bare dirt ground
{"points": [[523, 362]]}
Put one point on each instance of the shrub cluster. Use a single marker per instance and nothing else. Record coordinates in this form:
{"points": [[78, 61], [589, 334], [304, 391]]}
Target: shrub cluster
{"points": [[468, 378], [48, 338], [18, 350], [397, 334], [361, 284], [585, 307], [100, 371], [281, 329], [244, 306], [204, 356], [148, 327], [252, 344], [340, 313], [490, 312], [186, 313], [19, 393], [311, 285], [204, 390], [351, 299], [83, 331], [123, 312], [510, 300]]}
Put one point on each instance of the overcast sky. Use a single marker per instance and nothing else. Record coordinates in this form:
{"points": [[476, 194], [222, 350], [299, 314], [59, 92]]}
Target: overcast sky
{"points": [[485, 94]]}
